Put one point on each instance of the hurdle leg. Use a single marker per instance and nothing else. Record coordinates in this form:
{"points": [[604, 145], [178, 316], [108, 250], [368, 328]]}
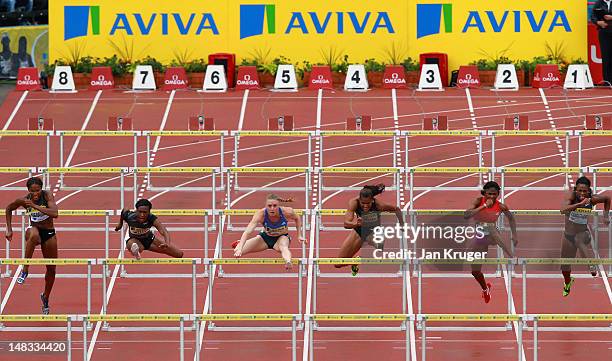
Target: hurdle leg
{"points": [[535, 338], [148, 164], [69, 338], [206, 241], [524, 277], [293, 340], [480, 162], [182, 338], [84, 338], [580, 152], [135, 151], [314, 286], [222, 156], [193, 287], [407, 323], [23, 232], [88, 287], [236, 142], [214, 195], [423, 339], [403, 269], [311, 340], [320, 151], [61, 145], [300, 267], [411, 189], [419, 287], [493, 150], [122, 189], [520, 338], [106, 235], [197, 337], [406, 150]]}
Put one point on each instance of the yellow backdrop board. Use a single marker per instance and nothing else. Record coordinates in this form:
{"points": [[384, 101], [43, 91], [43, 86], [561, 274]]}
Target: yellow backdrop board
{"points": [[303, 30]]}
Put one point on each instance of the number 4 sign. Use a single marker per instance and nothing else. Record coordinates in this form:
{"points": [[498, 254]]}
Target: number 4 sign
{"points": [[62, 80], [356, 79]]}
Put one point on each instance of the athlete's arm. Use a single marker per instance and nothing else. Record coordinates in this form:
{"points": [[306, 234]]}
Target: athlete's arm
{"points": [[9, 216], [290, 214], [476, 207], [606, 201], [50, 210], [120, 224], [385, 207], [512, 221], [162, 229], [350, 219], [568, 206]]}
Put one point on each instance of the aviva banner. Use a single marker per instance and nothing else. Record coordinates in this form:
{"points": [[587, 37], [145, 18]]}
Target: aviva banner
{"points": [[302, 30]]}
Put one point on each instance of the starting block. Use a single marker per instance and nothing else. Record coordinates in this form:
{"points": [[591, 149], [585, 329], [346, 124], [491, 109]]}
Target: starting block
{"points": [[119, 123], [437, 122], [40, 123], [201, 122], [598, 122], [516, 122], [360, 122], [284, 122]]}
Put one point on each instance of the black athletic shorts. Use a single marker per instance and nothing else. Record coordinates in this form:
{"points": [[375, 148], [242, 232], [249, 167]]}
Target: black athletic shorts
{"points": [[271, 241], [146, 240]]}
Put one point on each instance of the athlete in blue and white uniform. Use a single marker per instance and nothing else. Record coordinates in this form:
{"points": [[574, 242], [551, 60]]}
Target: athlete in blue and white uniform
{"points": [[275, 233], [41, 208], [578, 205]]}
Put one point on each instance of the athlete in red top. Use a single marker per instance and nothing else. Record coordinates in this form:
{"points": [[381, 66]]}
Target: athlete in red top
{"points": [[485, 211]]}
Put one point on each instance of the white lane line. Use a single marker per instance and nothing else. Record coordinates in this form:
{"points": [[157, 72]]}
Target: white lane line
{"points": [[15, 110], [245, 98]]}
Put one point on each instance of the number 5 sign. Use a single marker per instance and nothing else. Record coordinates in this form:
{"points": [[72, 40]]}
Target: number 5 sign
{"points": [[285, 78]]}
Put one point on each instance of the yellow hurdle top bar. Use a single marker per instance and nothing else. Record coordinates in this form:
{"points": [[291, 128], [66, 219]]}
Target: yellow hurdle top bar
{"points": [[86, 212], [471, 317], [574, 317], [360, 170], [594, 132], [252, 261], [137, 317], [357, 133], [249, 317], [544, 133], [250, 212], [34, 318], [180, 212], [446, 133], [183, 133], [359, 261], [17, 169], [25, 133], [359, 317], [99, 133], [176, 169], [152, 261], [267, 169], [539, 170], [451, 170], [47, 261], [82, 170], [271, 133]]}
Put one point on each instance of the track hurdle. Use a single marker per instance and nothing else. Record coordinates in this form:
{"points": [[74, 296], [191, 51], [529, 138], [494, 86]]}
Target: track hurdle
{"points": [[394, 136], [56, 346], [436, 172], [443, 133], [286, 172], [588, 133], [193, 262], [557, 134], [205, 134], [255, 261], [315, 319], [250, 212], [20, 262], [423, 319], [536, 319], [489, 261], [258, 317], [273, 135], [100, 134], [534, 172], [83, 171], [20, 173], [28, 134], [352, 172], [402, 263], [524, 262]]}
